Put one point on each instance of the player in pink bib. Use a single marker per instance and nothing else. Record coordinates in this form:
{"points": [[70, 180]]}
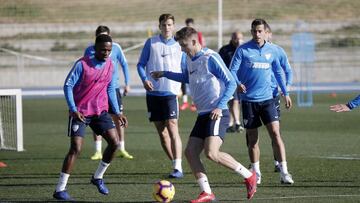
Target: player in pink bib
{"points": [[88, 89]]}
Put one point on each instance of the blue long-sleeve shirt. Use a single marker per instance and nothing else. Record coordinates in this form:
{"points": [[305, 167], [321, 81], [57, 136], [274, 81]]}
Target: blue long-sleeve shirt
{"points": [[285, 65], [118, 57], [253, 67], [354, 103], [74, 78], [217, 68]]}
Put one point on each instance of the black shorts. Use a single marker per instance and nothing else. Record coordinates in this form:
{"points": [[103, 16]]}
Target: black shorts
{"points": [[99, 124], [277, 104], [205, 127], [255, 112], [161, 108], [118, 97]]}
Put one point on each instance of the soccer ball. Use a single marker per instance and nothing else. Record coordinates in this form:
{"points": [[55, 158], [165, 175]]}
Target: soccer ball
{"points": [[163, 191]]}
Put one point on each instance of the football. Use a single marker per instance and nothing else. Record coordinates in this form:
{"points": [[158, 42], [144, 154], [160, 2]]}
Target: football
{"points": [[163, 191]]}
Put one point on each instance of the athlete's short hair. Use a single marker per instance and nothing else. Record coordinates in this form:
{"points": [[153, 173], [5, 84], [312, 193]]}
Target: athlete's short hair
{"points": [[102, 38], [165, 17], [101, 29], [185, 33], [189, 20], [257, 22]]}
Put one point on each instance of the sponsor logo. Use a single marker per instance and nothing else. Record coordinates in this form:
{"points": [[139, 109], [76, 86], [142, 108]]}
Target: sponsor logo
{"points": [[173, 113], [261, 65], [191, 72]]}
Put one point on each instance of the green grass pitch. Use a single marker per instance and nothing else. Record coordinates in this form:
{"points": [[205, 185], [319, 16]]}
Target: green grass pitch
{"points": [[323, 152]]}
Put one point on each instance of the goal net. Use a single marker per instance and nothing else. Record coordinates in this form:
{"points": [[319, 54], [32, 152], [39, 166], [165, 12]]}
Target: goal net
{"points": [[11, 124]]}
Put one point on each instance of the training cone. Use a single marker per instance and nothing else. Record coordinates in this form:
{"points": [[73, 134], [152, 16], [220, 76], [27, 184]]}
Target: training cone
{"points": [[2, 165]]}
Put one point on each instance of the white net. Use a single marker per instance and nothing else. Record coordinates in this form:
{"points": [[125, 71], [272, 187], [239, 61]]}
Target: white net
{"points": [[11, 135]]}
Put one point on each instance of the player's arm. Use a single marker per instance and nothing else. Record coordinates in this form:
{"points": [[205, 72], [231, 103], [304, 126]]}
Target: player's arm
{"points": [[284, 62], [114, 102], [276, 68], [354, 103], [346, 107], [234, 68], [278, 72], [125, 67], [179, 77], [73, 78], [218, 68], [144, 58]]}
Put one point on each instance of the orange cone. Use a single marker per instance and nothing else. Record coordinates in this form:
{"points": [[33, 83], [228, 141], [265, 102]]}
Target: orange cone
{"points": [[2, 165]]}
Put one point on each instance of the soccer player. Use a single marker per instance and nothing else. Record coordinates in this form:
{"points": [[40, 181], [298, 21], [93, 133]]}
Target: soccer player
{"points": [[227, 52], [211, 85], [88, 89], [285, 65], [189, 22], [253, 64], [118, 57], [162, 52], [346, 107]]}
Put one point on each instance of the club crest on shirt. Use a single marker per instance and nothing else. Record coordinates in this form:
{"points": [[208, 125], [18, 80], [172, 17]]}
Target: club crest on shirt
{"points": [[267, 56]]}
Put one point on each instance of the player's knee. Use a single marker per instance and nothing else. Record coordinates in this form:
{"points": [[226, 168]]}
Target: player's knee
{"points": [[75, 151], [171, 123], [252, 144], [189, 153], [212, 155]]}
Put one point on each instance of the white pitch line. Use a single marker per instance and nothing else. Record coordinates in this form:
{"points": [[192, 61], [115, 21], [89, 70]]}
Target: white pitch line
{"points": [[305, 196], [339, 157]]}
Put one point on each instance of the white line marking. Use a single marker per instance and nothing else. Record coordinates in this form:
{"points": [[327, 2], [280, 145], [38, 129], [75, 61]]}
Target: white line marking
{"points": [[339, 157], [307, 196]]}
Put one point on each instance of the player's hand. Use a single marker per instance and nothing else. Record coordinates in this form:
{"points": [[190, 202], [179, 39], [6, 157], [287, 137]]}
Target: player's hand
{"points": [[148, 85], [288, 102], [215, 114], [157, 74], [78, 115], [122, 120], [126, 90], [339, 108], [241, 88]]}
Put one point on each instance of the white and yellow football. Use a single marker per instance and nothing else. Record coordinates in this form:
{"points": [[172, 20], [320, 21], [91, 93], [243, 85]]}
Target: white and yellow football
{"points": [[163, 191]]}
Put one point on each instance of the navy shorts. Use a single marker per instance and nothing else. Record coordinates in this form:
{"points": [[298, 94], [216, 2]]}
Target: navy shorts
{"points": [[205, 127], [277, 104], [161, 108], [118, 97], [255, 112], [99, 124]]}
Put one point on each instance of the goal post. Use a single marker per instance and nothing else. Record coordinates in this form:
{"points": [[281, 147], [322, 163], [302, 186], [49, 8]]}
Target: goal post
{"points": [[11, 120]]}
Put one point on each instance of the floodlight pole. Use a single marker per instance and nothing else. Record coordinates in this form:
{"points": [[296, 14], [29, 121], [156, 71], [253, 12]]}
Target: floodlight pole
{"points": [[220, 29]]}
